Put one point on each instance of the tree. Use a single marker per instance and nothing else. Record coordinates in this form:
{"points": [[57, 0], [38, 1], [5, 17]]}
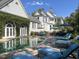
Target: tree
{"points": [[73, 19], [77, 19]]}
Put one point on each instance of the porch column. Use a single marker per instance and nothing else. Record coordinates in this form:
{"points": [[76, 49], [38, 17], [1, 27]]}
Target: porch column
{"points": [[9, 44], [30, 41], [36, 39], [15, 42], [25, 40], [20, 41], [12, 43], [5, 45]]}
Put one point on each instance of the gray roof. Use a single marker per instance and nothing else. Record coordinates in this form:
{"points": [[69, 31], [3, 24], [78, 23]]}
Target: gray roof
{"points": [[3, 3], [33, 19], [41, 13], [51, 12]]}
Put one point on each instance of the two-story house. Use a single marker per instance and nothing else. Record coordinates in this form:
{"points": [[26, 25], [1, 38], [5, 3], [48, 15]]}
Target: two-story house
{"points": [[48, 20]]}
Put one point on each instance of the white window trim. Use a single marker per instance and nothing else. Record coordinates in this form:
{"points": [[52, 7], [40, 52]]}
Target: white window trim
{"points": [[23, 31], [13, 35], [33, 25]]}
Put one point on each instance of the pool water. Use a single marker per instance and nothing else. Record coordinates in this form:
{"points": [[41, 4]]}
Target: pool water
{"points": [[23, 55]]}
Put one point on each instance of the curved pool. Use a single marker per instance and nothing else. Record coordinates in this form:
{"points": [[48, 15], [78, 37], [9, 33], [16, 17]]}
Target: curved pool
{"points": [[22, 55]]}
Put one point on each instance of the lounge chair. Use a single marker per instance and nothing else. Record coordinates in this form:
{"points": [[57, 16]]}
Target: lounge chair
{"points": [[63, 42], [58, 55], [66, 37]]}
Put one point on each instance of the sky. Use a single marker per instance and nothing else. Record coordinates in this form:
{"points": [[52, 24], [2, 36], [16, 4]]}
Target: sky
{"points": [[60, 7]]}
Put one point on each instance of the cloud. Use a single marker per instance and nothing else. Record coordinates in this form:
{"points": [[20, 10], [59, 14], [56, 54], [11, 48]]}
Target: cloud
{"points": [[39, 3], [36, 3]]}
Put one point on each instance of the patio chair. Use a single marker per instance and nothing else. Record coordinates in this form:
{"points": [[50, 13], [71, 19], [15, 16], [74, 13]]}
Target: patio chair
{"points": [[68, 35], [59, 55]]}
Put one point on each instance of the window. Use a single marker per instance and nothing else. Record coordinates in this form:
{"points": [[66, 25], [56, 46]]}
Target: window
{"points": [[39, 26], [33, 25], [9, 30], [23, 31], [50, 27], [16, 3], [38, 17], [44, 19], [55, 20], [48, 20]]}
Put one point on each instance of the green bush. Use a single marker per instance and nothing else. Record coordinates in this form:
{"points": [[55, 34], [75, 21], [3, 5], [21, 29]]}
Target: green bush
{"points": [[2, 50], [33, 33], [76, 41]]}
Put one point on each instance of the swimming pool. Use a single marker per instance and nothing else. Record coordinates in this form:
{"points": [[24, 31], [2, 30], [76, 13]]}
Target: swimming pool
{"points": [[23, 55]]}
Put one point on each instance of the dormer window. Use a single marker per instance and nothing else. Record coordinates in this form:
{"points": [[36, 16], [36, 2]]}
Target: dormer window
{"points": [[16, 3], [38, 17]]}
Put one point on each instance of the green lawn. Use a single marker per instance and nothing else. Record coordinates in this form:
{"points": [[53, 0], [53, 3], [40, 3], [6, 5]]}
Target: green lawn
{"points": [[76, 41]]}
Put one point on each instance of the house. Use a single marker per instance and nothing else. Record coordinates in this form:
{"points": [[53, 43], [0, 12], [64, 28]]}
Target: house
{"points": [[33, 26], [14, 24], [44, 20], [48, 20], [55, 21]]}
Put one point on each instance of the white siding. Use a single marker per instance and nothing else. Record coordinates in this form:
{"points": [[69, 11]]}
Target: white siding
{"points": [[16, 8], [33, 27]]}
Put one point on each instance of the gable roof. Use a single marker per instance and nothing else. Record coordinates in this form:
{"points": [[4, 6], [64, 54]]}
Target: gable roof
{"points": [[3, 3], [15, 7], [33, 19], [39, 12], [51, 14]]}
